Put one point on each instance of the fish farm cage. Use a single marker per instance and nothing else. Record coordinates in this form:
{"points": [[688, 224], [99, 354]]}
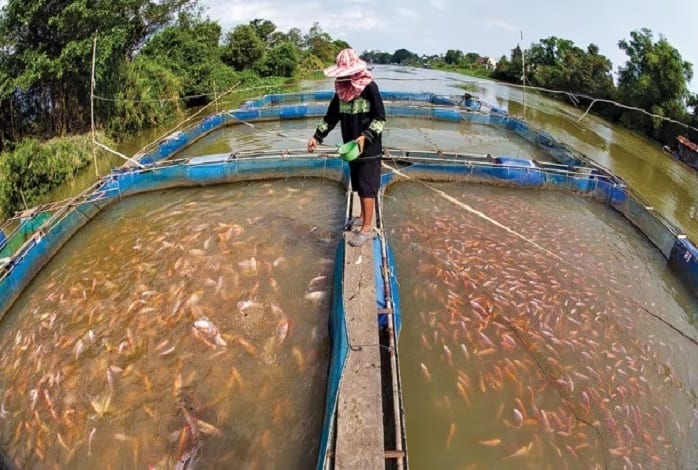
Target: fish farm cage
{"points": [[31, 238]]}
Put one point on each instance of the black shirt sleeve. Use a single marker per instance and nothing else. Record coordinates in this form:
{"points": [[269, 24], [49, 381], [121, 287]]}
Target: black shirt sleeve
{"points": [[375, 127], [329, 121]]}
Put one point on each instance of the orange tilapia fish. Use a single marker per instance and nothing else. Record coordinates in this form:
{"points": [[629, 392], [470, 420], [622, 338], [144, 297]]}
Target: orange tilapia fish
{"points": [[425, 372], [521, 452], [451, 433], [490, 442]]}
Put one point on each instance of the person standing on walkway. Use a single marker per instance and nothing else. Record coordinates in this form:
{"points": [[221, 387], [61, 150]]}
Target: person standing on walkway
{"points": [[358, 107]]}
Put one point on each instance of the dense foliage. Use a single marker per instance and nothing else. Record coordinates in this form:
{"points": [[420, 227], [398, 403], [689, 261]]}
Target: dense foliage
{"points": [[45, 61], [34, 168], [654, 79], [152, 60]]}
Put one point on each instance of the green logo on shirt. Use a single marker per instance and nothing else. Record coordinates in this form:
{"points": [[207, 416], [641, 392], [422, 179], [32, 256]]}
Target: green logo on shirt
{"points": [[358, 106]]}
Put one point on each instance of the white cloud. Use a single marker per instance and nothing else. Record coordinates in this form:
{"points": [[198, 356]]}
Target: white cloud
{"points": [[438, 4], [234, 12], [502, 24], [335, 21], [407, 13]]}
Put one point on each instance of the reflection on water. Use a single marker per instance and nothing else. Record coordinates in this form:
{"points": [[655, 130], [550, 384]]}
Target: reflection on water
{"points": [[515, 357], [178, 327]]}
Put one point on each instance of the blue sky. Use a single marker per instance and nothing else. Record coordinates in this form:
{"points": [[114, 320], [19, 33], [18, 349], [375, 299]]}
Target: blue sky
{"points": [[488, 27]]}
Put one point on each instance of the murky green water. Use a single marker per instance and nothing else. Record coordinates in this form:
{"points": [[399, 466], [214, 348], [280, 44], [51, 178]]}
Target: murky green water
{"points": [[178, 326], [546, 349]]}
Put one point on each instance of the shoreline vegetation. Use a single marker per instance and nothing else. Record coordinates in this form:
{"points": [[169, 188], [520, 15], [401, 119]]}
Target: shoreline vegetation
{"points": [[152, 68]]}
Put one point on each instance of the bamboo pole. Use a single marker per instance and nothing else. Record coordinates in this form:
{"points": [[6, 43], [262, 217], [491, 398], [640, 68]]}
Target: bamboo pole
{"points": [[92, 105], [523, 74]]}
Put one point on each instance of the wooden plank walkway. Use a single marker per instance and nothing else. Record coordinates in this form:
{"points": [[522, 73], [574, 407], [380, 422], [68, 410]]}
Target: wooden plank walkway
{"points": [[360, 439]]}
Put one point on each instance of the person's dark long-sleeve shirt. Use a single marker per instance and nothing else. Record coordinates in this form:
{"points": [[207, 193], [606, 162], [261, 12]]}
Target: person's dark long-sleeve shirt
{"points": [[363, 115]]}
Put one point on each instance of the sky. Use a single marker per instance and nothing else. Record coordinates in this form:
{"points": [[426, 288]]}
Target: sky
{"points": [[488, 27]]}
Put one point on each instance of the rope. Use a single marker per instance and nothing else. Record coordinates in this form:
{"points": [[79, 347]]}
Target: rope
{"points": [[574, 97], [230, 90], [102, 146], [620, 105], [543, 249], [275, 134], [201, 95]]}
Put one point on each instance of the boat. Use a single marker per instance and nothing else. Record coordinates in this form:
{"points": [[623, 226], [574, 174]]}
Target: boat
{"points": [[686, 151]]}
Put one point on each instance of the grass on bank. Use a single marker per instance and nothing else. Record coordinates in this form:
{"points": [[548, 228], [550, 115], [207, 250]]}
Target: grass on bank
{"points": [[34, 168]]}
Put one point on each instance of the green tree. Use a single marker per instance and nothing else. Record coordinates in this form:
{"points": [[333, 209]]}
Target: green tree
{"points": [[320, 44], [376, 57], [655, 79], [549, 52], [295, 37], [403, 56], [453, 57], [510, 70], [47, 52], [471, 58], [242, 47], [280, 61], [149, 96], [190, 50], [340, 44], [264, 29]]}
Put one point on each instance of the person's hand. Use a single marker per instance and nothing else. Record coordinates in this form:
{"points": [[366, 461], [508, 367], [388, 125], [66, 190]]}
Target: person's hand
{"points": [[360, 140], [312, 144]]}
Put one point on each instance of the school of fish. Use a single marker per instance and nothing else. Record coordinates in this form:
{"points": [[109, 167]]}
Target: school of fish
{"points": [[514, 359], [179, 329]]}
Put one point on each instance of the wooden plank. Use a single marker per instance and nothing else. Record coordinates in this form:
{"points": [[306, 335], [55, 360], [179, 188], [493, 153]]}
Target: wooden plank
{"points": [[359, 443]]}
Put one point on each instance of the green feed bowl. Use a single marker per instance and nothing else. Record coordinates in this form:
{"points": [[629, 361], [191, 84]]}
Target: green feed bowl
{"points": [[349, 151]]}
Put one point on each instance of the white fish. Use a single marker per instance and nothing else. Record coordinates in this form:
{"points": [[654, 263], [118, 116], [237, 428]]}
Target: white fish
{"points": [[90, 440], [283, 325], [209, 330], [316, 296], [316, 282], [79, 348], [249, 266], [34, 398]]}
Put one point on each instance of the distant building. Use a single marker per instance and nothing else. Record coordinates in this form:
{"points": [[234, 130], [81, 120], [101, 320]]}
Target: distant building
{"points": [[489, 63], [687, 152]]}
